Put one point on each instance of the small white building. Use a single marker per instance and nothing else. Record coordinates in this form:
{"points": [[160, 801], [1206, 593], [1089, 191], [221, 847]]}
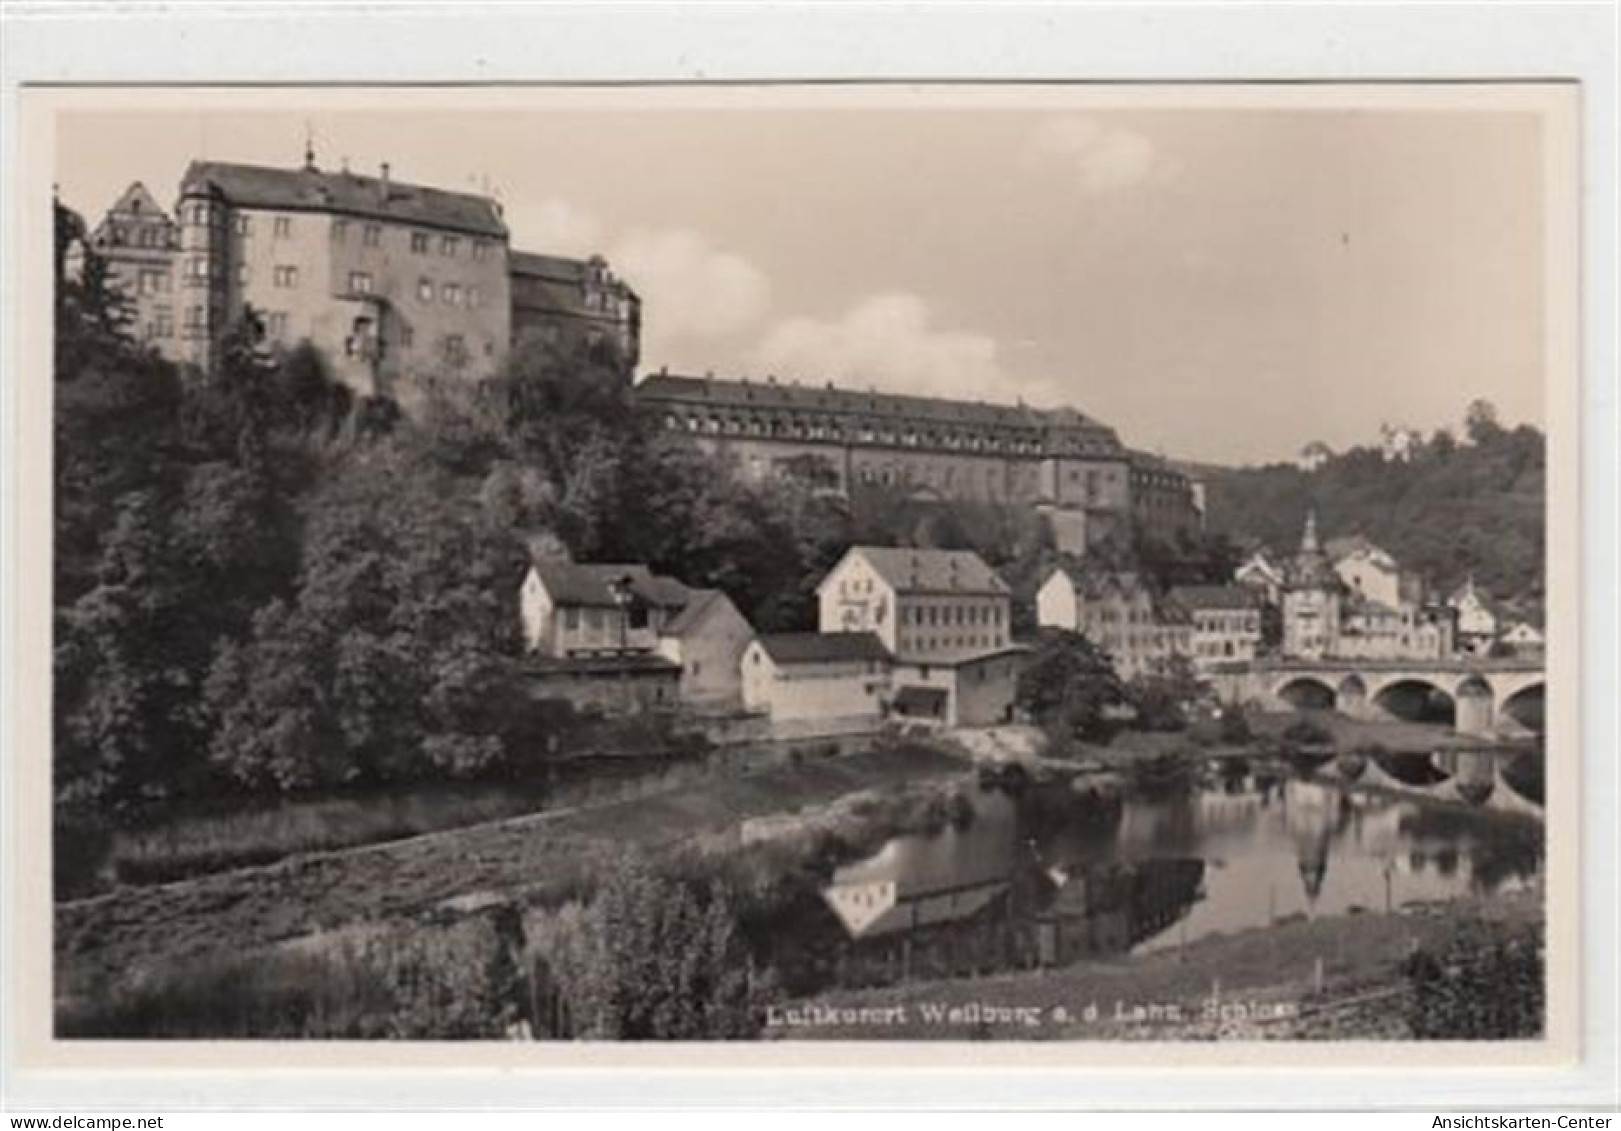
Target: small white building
{"points": [[816, 675], [1264, 577], [1522, 638], [1367, 570], [707, 639], [927, 605], [972, 691], [1478, 621]]}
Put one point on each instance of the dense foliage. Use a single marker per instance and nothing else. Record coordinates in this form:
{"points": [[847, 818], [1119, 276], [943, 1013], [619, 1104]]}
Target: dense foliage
{"points": [[1069, 687], [1487, 983], [1455, 508], [653, 956]]}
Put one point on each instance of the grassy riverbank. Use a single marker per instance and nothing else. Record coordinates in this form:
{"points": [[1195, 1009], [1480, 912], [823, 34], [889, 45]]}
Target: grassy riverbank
{"points": [[545, 856], [1256, 984]]}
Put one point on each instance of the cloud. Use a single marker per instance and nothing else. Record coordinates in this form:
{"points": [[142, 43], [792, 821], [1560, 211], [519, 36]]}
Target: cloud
{"points": [[1102, 159], [688, 287], [888, 341], [555, 226]]}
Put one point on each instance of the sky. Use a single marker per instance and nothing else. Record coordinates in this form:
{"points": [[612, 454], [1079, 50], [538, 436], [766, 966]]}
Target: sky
{"points": [[1220, 284]]}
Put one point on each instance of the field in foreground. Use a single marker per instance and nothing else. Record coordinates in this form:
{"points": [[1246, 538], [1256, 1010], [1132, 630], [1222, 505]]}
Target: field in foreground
{"points": [[107, 937], [1256, 984]]}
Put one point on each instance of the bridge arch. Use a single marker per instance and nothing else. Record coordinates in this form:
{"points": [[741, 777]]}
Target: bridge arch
{"points": [[1307, 693], [1526, 707], [1416, 700]]}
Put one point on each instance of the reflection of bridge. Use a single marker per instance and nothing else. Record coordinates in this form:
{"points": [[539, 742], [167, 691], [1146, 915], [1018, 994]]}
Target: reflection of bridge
{"points": [[1476, 696], [1474, 780]]}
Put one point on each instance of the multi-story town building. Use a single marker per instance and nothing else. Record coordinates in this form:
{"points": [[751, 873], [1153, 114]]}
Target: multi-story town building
{"points": [[396, 283], [1117, 612], [138, 240], [1057, 459], [1311, 600], [1226, 622], [929, 606]]}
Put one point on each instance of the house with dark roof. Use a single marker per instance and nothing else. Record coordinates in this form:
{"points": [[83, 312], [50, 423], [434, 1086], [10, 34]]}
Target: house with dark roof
{"points": [[707, 639], [572, 609], [1226, 622], [621, 635], [825, 676]]}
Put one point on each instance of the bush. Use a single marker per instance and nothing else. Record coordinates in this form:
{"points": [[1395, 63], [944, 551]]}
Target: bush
{"points": [[1486, 983], [418, 981]]}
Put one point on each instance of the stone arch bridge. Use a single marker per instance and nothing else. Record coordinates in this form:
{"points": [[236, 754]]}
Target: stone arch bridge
{"points": [[1477, 697]]}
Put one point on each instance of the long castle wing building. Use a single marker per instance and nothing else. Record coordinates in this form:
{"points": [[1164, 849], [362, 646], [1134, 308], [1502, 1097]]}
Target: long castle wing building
{"points": [[1058, 459]]}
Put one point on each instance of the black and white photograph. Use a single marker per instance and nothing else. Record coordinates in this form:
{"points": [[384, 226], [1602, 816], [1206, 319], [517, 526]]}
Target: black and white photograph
{"points": [[789, 564]]}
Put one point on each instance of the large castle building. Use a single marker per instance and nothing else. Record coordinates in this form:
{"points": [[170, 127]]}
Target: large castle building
{"points": [[392, 281], [1060, 460]]}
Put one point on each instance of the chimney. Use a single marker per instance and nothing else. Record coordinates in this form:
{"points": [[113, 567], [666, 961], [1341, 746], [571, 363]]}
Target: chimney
{"points": [[384, 185]]}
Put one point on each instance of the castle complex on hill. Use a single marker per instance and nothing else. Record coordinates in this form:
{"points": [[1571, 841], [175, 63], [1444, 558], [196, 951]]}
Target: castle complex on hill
{"points": [[395, 282], [1069, 465]]}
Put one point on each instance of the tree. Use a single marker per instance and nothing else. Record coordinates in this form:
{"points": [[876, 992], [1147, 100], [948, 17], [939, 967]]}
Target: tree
{"points": [[394, 658], [1161, 698], [1068, 686], [1480, 422]]}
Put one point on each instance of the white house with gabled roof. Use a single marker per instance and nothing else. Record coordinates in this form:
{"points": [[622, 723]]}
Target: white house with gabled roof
{"points": [[925, 605]]}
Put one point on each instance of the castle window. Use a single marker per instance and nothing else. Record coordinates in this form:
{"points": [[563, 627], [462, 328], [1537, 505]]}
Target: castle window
{"points": [[194, 317], [284, 227], [481, 249], [419, 243], [451, 293], [276, 322], [340, 230], [448, 245], [425, 290], [373, 235], [197, 269], [162, 322], [286, 276], [152, 282], [360, 282]]}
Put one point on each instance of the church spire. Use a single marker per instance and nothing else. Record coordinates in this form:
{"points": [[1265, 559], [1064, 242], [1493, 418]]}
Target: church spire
{"points": [[1308, 540]]}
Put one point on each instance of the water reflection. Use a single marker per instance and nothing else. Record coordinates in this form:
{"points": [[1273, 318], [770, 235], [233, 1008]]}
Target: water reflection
{"points": [[1026, 883]]}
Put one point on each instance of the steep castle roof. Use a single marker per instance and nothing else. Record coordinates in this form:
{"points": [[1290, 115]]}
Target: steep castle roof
{"points": [[351, 194], [1057, 428]]}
